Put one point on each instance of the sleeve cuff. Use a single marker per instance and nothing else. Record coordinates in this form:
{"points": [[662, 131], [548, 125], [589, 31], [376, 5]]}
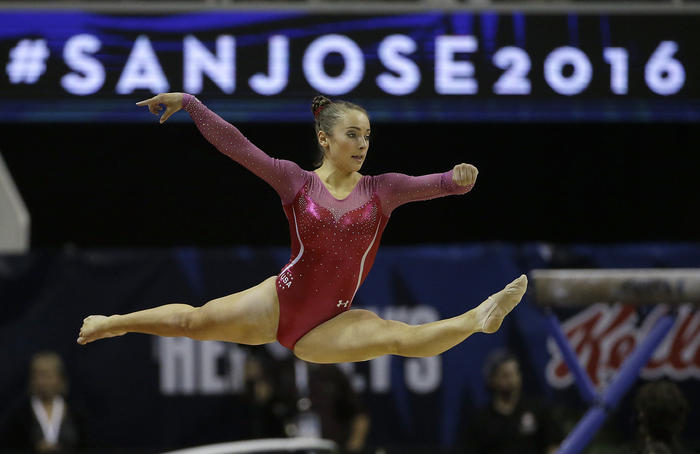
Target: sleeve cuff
{"points": [[186, 99], [451, 187]]}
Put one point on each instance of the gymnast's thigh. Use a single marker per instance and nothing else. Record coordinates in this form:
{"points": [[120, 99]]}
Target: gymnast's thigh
{"points": [[247, 317], [354, 335]]}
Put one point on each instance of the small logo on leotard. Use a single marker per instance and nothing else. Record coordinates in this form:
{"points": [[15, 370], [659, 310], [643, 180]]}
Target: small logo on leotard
{"points": [[344, 304], [285, 280]]}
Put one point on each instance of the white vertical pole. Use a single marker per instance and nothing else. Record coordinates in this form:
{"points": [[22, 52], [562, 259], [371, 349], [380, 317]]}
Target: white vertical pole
{"points": [[14, 217]]}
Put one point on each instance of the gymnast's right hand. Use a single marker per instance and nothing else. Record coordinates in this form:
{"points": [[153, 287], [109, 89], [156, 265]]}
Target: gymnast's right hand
{"points": [[171, 101]]}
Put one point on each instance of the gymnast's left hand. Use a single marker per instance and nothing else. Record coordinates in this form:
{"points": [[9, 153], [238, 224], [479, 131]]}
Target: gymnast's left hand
{"points": [[464, 174]]}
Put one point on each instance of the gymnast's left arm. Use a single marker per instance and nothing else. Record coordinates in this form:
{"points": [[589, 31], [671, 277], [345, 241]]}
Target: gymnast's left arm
{"points": [[395, 189]]}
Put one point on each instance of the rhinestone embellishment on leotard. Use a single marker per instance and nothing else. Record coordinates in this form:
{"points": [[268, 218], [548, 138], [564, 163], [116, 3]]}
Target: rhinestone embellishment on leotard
{"points": [[333, 243]]}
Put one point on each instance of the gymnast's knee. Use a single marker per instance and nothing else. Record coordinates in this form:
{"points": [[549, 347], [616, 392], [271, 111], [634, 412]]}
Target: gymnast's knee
{"points": [[400, 337], [192, 323]]}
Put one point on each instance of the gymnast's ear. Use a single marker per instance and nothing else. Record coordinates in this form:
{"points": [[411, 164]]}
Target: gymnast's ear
{"points": [[323, 139]]}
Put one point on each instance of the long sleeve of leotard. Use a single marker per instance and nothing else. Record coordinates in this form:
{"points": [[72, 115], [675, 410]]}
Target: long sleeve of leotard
{"points": [[284, 176], [395, 189]]}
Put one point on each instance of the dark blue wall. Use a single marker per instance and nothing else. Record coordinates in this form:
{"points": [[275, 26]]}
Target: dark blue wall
{"points": [[122, 381]]}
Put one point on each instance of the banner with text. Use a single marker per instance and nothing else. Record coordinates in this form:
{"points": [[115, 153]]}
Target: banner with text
{"points": [[404, 67]]}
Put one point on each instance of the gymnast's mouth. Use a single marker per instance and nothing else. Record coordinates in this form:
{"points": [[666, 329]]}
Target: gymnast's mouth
{"points": [[359, 157]]}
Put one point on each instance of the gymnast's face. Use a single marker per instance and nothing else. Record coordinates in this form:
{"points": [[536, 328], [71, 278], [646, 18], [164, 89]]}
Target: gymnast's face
{"points": [[346, 147]]}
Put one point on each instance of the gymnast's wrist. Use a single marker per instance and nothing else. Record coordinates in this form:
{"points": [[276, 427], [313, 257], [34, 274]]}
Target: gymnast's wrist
{"points": [[186, 99]]}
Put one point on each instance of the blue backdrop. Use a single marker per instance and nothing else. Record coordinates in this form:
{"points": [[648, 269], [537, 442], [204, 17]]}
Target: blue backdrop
{"points": [[151, 392]]}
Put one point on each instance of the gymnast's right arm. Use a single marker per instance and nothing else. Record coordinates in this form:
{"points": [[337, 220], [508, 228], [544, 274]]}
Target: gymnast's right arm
{"points": [[284, 176]]}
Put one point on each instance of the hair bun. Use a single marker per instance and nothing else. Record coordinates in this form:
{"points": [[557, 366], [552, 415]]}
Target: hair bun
{"points": [[318, 104]]}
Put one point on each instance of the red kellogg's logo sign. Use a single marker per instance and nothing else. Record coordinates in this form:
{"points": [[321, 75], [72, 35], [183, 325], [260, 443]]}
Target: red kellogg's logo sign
{"points": [[604, 335]]}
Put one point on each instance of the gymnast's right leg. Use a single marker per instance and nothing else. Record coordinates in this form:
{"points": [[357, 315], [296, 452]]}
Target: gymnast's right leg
{"points": [[247, 317]]}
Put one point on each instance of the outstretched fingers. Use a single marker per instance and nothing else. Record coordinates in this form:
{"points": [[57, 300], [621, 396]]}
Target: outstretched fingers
{"points": [[149, 101], [153, 105]]}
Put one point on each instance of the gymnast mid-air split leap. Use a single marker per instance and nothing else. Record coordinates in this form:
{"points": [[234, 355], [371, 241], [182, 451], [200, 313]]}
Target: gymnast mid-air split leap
{"points": [[336, 219]]}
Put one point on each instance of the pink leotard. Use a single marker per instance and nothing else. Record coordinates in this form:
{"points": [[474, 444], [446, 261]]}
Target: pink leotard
{"points": [[334, 242]]}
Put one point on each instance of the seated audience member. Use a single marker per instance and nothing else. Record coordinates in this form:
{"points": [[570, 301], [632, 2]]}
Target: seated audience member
{"points": [[44, 422], [271, 397], [292, 398], [660, 412], [341, 410], [510, 423]]}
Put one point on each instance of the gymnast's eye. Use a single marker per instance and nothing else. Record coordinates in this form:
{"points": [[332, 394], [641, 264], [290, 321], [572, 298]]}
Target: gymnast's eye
{"points": [[351, 135]]}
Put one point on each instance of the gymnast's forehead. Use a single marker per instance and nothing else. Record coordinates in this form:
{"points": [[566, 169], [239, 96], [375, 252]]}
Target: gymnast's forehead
{"points": [[355, 119]]}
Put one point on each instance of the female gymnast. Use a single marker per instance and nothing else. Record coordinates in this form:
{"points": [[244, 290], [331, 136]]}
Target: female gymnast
{"points": [[336, 219]]}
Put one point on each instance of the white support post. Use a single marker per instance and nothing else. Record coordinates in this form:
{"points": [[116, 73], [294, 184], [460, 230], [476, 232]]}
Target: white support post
{"points": [[14, 217]]}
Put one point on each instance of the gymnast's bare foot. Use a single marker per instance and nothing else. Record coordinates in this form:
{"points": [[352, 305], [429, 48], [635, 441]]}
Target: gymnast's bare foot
{"points": [[94, 328], [490, 314]]}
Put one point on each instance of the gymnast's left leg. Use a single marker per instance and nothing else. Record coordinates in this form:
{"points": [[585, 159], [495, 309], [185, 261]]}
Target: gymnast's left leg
{"points": [[360, 335]]}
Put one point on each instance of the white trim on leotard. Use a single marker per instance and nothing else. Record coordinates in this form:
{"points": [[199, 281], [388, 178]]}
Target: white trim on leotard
{"points": [[362, 263], [301, 250]]}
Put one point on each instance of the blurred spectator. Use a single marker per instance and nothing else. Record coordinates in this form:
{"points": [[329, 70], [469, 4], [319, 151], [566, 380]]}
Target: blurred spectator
{"points": [[44, 421], [271, 397], [660, 412], [510, 423], [343, 417], [328, 407], [289, 397]]}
